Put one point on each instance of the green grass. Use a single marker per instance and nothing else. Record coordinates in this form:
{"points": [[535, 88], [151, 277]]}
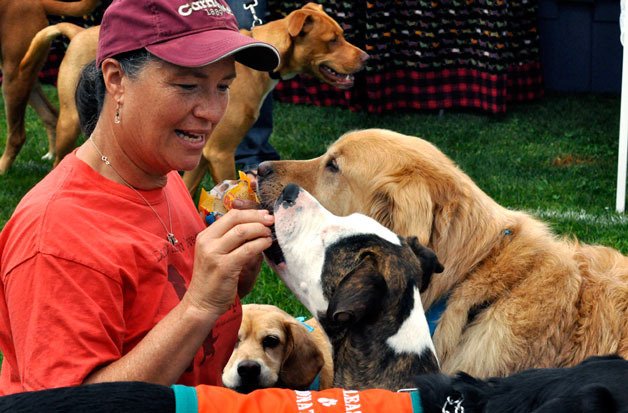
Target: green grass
{"points": [[555, 158]]}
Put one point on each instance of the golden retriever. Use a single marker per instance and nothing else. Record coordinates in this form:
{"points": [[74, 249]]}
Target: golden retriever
{"points": [[276, 350], [518, 296]]}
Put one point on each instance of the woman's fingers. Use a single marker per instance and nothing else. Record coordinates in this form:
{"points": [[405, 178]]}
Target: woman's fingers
{"points": [[245, 235], [238, 216]]}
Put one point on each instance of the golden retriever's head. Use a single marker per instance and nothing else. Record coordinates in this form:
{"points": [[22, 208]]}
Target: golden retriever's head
{"points": [[273, 350], [396, 179]]}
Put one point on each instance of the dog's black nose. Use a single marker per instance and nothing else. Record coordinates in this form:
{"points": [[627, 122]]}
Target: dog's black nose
{"points": [[289, 195], [249, 370], [264, 169]]}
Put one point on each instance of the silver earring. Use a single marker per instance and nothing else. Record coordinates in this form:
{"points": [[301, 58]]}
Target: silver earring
{"points": [[116, 118]]}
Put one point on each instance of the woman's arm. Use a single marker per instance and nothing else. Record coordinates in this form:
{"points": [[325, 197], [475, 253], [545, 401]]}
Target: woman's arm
{"points": [[223, 251]]}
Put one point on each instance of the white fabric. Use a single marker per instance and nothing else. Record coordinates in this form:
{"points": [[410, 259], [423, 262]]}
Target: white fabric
{"points": [[620, 203]]}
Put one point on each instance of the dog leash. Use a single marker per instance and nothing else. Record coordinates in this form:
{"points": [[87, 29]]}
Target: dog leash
{"points": [[436, 310], [250, 6], [434, 313]]}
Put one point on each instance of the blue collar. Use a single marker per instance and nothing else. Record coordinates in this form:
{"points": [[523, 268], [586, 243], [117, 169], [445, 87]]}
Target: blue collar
{"points": [[434, 313], [415, 397], [316, 384]]}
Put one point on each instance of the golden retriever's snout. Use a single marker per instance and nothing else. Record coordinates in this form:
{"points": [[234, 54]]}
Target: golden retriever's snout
{"points": [[264, 169]]}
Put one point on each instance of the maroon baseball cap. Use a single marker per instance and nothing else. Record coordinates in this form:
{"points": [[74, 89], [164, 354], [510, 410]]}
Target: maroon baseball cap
{"points": [[184, 33]]}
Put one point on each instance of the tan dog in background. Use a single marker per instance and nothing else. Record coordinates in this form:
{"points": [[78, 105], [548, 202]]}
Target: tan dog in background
{"points": [[276, 350], [519, 297], [19, 22], [308, 40], [80, 51]]}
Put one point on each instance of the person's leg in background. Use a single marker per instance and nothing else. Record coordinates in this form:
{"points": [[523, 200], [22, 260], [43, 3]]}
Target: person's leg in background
{"points": [[255, 147]]}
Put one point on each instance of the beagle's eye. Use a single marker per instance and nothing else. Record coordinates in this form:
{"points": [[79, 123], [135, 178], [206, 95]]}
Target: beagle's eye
{"points": [[270, 341], [332, 165]]}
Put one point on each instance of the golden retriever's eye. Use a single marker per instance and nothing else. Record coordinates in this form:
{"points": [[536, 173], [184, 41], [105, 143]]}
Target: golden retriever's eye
{"points": [[332, 166], [270, 341]]}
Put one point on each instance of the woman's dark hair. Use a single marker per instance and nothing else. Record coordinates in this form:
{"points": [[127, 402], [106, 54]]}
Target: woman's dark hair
{"points": [[90, 91]]}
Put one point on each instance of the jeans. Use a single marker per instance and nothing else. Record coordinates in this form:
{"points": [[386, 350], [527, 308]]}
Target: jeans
{"points": [[255, 147]]}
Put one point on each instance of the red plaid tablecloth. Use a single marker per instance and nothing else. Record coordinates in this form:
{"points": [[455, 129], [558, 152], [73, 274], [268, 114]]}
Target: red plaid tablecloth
{"points": [[430, 54]]}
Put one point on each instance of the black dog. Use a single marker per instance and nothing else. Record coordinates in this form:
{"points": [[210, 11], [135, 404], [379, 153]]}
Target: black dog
{"points": [[598, 384]]}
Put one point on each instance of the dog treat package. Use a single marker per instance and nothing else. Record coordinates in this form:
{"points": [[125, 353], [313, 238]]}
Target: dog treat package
{"points": [[215, 203]]}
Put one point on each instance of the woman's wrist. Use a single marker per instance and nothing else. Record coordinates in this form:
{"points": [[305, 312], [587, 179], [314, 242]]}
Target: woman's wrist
{"points": [[194, 311]]}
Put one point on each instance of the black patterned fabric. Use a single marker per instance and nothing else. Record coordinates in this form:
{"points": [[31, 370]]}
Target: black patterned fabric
{"points": [[57, 49], [430, 54]]}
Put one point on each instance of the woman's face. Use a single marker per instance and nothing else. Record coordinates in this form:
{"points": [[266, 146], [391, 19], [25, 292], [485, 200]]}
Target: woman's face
{"points": [[168, 112]]}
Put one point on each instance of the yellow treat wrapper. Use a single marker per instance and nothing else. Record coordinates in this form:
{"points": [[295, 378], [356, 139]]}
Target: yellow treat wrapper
{"points": [[219, 200]]}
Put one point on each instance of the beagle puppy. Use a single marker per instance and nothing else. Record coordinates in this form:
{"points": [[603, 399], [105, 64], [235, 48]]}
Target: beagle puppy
{"points": [[276, 350]]}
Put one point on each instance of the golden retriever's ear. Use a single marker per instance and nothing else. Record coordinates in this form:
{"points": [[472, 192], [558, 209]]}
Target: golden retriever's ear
{"points": [[405, 206], [299, 21], [302, 359], [428, 259], [359, 293]]}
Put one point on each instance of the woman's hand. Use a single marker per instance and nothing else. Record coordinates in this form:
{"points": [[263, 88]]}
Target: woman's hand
{"points": [[228, 256]]}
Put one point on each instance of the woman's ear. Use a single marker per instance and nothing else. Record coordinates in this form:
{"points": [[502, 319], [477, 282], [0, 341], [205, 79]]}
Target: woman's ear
{"points": [[113, 75]]}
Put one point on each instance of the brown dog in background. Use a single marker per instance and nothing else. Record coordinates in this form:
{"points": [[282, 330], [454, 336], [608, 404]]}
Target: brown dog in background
{"points": [[276, 350], [19, 23], [80, 51], [308, 40], [519, 297]]}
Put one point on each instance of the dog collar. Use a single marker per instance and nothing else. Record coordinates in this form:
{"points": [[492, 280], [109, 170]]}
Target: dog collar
{"points": [[415, 398], [308, 327], [434, 313], [275, 75], [316, 384]]}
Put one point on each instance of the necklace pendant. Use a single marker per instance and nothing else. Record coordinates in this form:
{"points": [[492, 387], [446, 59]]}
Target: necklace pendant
{"points": [[172, 239]]}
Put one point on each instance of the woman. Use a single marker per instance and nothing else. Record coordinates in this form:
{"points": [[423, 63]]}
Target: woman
{"points": [[108, 272]]}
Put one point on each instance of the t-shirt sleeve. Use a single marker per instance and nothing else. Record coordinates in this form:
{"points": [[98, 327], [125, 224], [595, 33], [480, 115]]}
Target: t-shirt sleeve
{"points": [[66, 320]]}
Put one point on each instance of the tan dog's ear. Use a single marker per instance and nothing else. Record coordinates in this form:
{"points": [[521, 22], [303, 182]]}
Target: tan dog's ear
{"points": [[359, 293], [313, 6], [302, 359], [429, 262], [299, 21], [404, 206]]}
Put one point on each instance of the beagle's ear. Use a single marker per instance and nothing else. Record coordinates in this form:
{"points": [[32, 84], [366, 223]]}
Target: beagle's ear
{"points": [[302, 359], [403, 205], [359, 293], [428, 259], [299, 21]]}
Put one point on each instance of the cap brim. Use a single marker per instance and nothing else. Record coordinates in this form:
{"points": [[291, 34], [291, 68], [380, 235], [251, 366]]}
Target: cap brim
{"points": [[200, 49]]}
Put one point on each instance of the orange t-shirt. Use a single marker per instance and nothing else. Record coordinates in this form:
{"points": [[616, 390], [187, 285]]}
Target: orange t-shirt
{"points": [[86, 271], [211, 399]]}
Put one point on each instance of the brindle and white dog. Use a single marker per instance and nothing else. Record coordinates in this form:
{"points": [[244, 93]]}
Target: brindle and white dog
{"points": [[362, 282]]}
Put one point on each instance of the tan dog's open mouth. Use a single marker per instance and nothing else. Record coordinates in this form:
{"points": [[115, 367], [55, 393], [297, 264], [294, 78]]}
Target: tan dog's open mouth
{"points": [[339, 80]]}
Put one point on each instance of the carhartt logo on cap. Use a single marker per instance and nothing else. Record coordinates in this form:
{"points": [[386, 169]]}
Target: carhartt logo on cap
{"points": [[211, 7]]}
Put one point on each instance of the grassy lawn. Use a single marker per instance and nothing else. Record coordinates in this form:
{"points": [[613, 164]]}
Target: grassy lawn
{"points": [[555, 158]]}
